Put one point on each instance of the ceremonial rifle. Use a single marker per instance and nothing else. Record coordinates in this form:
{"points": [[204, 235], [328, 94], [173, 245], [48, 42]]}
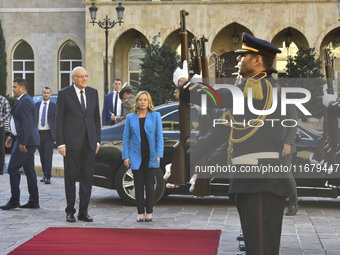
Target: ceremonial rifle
{"points": [[204, 59], [195, 56], [204, 126], [178, 167], [331, 121], [202, 185], [326, 146]]}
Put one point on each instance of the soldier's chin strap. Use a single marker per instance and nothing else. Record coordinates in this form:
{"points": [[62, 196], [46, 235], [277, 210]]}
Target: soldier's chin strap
{"points": [[255, 124]]}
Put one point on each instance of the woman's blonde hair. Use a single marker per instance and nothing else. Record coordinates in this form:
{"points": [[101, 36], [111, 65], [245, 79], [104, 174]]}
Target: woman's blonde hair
{"points": [[151, 108]]}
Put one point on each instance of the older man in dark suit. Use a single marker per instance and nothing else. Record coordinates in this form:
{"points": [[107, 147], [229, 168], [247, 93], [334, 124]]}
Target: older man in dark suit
{"points": [[78, 139], [24, 128], [47, 112]]}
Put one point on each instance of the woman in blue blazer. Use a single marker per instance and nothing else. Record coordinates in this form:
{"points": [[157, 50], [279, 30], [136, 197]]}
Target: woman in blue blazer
{"points": [[143, 147]]}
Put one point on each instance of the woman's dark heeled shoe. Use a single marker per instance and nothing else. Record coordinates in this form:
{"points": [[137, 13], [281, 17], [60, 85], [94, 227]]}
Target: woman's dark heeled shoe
{"points": [[148, 219], [140, 220]]}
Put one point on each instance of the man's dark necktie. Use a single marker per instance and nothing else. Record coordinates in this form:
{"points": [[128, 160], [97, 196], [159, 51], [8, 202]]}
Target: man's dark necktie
{"points": [[115, 107], [43, 115], [82, 101]]}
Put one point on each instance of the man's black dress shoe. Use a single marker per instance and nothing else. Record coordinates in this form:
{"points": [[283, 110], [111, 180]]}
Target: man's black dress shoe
{"points": [[85, 217], [9, 206], [47, 180], [70, 217], [292, 210], [31, 205], [242, 247], [240, 237], [43, 179]]}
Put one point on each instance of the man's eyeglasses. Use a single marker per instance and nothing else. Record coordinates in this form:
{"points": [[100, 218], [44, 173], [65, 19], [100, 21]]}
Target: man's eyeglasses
{"points": [[81, 77]]}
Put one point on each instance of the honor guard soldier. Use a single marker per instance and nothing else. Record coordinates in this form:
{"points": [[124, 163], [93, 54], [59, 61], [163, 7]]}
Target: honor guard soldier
{"points": [[259, 198]]}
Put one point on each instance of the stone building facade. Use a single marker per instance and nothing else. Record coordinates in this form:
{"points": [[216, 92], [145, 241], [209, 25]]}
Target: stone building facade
{"points": [[309, 23], [38, 35], [60, 34]]}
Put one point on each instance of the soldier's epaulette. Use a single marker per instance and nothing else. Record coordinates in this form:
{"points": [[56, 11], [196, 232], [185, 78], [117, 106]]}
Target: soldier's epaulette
{"points": [[259, 76]]}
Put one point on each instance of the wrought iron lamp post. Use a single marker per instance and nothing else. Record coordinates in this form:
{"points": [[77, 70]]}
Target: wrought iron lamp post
{"points": [[106, 24]]}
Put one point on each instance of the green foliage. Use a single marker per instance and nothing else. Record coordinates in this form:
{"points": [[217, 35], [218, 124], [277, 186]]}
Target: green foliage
{"points": [[303, 70], [157, 69], [3, 72], [11, 100]]}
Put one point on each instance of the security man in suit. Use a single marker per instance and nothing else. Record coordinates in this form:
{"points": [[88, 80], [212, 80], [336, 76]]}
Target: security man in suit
{"points": [[259, 198], [24, 127], [112, 107], [47, 112], [78, 140]]}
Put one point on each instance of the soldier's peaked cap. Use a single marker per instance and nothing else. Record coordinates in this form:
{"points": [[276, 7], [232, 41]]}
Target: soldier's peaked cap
{"points": [[253, 44]]}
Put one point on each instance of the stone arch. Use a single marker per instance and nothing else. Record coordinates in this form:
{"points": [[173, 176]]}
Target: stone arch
{"points": [[280, 39], [121, 51], [325, 37], [223, 47], [297, 36], [147, 33], [284, 27], [331, 40], [240, 22], [173, 39]]}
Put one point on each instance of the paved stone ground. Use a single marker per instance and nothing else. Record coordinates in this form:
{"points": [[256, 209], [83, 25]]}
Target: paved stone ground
{"points": [[314, 230]]}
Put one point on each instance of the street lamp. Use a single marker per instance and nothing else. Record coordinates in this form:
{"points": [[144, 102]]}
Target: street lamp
{"points": [[288, 36], [106, 24], [235, 37]]}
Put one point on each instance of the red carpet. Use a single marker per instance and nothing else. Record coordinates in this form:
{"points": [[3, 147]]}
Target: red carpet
{"points": [[67, 241]]}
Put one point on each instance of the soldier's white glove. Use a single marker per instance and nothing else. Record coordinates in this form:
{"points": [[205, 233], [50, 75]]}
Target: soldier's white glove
{"points": [[327, 97], [197, 78], [167, 171], [181, 73]]}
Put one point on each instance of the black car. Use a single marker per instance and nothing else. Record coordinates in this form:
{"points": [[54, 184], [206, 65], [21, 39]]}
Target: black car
{"points": [[111, 173]]}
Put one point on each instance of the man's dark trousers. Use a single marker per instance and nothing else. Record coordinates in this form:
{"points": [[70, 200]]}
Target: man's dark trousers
{"points": [[79, 161], [2, 149], [261, 220], [46, 151], [25, 160]]}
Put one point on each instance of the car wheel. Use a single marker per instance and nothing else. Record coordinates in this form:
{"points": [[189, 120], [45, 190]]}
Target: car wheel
{"points": [[126, 188]]}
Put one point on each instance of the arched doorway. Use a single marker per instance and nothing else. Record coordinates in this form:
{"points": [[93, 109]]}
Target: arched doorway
{"points": [[287, 40], [225, 43]]}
